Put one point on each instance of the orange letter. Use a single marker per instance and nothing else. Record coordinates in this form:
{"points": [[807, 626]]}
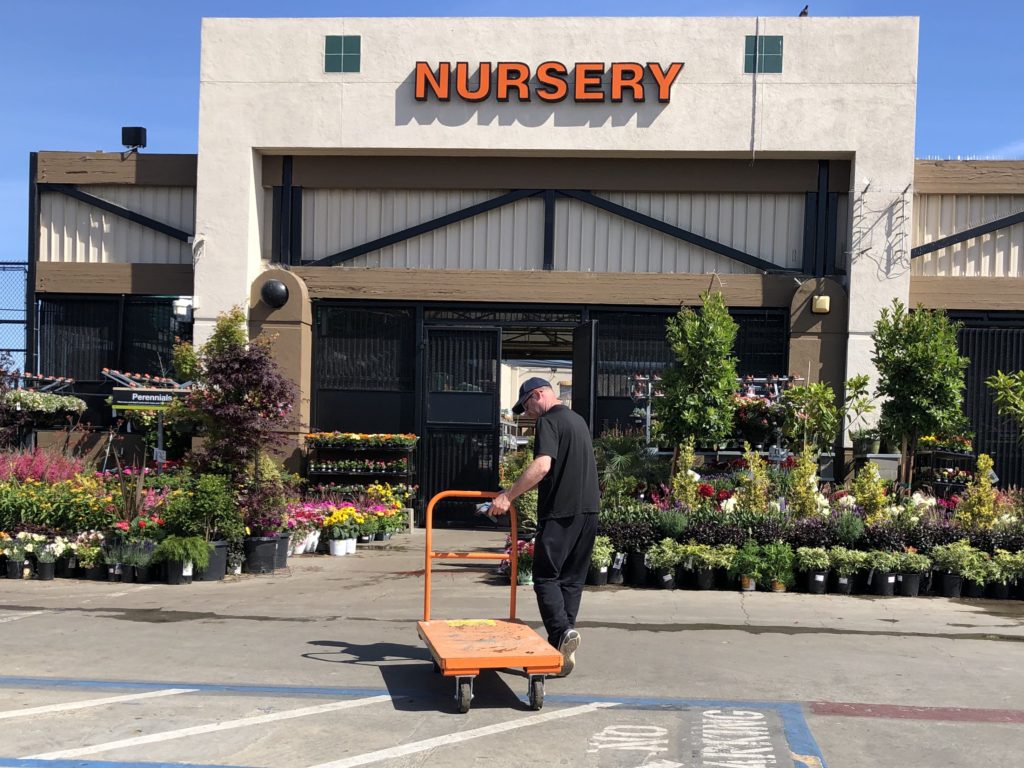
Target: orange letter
{"points": [[425, 77], [634, 81], [588, 76], [512, 74], [552, 73], [665, 79], [462, 81]]}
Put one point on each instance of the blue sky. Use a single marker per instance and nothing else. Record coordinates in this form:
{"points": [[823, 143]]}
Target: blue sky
{"points": [[75, 71]]}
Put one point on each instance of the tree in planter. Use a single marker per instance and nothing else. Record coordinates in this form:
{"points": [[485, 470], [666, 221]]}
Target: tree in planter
{"points": [[778, 564], [977, 507], [802, 500], [752, 495], [697, 389], [920, 376], [812, 417], [857, 404], [1009, 396], [868, 489]]}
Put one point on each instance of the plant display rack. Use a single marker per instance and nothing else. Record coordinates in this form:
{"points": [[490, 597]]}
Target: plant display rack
{"points": [[932, 467], [350, 460]]}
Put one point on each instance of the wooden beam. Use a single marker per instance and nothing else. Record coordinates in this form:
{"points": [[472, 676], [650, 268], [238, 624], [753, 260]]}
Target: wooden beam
{"points": [[139, 279], [110, 168], [969, 177], [980, 293], [543, 287]]}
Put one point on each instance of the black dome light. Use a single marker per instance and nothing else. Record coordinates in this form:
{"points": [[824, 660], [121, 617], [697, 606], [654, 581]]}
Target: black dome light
{"points": [[274, 293]]}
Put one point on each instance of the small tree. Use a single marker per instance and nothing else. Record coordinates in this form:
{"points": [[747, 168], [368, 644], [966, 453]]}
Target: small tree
{"points": [[920, 376], [1009, 396], [697, 389]]}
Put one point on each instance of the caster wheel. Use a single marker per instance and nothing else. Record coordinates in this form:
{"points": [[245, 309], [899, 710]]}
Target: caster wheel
{"points": [[464, 696], [537, 693]]}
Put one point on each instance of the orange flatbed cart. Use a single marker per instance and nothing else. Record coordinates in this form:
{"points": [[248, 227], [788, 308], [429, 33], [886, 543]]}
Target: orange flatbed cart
{"points": [[463, 647]]}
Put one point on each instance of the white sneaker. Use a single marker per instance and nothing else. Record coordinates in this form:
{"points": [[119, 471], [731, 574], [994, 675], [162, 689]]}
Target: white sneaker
{"points": [[567, 647]]}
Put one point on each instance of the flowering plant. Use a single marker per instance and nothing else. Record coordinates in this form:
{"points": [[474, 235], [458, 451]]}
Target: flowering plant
{"points": [[343, 522], [360, 440], [524, 555], [88, 548]]}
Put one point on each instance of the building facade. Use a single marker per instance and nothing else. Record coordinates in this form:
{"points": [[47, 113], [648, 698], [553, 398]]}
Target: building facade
{"points": [[439, 195]]}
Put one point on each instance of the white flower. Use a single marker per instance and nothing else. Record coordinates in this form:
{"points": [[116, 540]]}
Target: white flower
{"points": [[729, 505], [891, 511], [847, 502], [693, 475], [920, 500], [822, 504]]}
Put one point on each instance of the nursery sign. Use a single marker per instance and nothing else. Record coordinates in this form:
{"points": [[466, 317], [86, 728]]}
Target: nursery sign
{"points": [[138, 399]]}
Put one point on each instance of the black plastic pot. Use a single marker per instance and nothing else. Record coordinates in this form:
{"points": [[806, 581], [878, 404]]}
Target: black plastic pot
{"points": [[597, 577], [45, 571], [127, 574], [972, 589], [218, 565], [705, 578], [14, 569], [113, 571], [96, 573], [635, 570], [666, 578], [997, 591], [861, 583], [841, 585], [143, 573], [816, 582], [883, 584], [951, 585], [615, 575], [260, 554], [179, 572], [281, 555], [908, 584]]}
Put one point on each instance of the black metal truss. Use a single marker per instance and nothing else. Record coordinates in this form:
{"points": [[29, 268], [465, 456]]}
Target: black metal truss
{"points": [[549, 196], [968, 234], [105, 205]]}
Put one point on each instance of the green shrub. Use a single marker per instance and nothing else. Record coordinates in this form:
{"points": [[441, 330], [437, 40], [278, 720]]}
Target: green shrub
{"points": [[183, 549], [849, 529], [882, 560], [913, 562], [812, 559], [697, 557], [846, 562], [778, 562], [665, 554], [747, 561], [601, 557], [959, 558]]}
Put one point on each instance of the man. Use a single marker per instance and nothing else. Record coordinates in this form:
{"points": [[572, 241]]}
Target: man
{"points": [[565, 474]]}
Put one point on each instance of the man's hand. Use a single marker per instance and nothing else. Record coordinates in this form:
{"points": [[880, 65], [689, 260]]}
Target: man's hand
{"points": [[501, 504]]}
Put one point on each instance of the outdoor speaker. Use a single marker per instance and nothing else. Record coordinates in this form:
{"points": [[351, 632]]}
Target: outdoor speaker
{"points": [[274, 293], [133, 136]]}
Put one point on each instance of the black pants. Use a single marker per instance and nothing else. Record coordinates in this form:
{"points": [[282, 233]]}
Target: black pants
{"points": [[561, 558]]}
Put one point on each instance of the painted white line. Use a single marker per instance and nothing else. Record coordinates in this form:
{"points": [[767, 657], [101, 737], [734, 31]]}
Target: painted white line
{"points": [[9, 713], [211, 728], [457, 738], [20, 616]]}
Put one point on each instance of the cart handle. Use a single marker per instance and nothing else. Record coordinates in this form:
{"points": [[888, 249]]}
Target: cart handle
{"points": [[513, 558]]}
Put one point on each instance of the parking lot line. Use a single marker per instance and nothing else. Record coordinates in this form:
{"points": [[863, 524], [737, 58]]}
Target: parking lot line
{"points": [[244, 722], [458, 738], [10, 713]]}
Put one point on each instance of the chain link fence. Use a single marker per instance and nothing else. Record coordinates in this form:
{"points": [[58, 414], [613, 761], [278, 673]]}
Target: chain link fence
{"points": [[12, 311]]}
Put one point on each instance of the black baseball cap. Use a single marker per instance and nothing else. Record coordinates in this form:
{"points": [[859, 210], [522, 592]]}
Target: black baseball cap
{"points": [[532, 383]]}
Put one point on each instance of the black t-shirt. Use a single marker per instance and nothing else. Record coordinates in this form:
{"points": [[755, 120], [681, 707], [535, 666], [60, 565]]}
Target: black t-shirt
{"points": [[570, 486]]}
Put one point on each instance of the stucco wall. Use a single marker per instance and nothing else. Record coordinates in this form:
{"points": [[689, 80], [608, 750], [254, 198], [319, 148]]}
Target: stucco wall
{"points": [[847, 89]]}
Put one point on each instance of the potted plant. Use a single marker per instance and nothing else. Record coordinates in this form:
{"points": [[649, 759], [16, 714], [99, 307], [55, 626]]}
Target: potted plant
{"points": [[46, 559], [663, 557], [142, 556], [181, 554], [696, 565], [778, 565], [15, 551], [747, 565], [955, 562], [844, 564], [813, 562], [524, 561], [866, 440], [910, 566], [883, 565], [600, 560], [1007, 568], [89, 554]]}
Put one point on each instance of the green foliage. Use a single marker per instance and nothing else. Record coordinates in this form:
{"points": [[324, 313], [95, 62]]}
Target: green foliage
{"points": [[959, 558], [697, 402], [625, 465], [696, 557], [778, 562], [685, 481], [753, 493], [803, 488], [913, 562], [601, 556], [1009, 396], [183, 549], [671, 523], [207, 508], [630, 524], [812, 417], [513, 464], [665, 554], [748, 561], [1007, 566], [846, 562], [722, 556], [868, 488], [920, 374], [812, 559], [882, 560], [848, 529], [977, 507], [858, 403]]}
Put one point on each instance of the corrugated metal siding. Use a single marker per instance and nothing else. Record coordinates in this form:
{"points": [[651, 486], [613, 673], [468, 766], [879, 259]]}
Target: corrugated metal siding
{"points": [[587, 239], [510, 237], [73, 231], [997, 254]]}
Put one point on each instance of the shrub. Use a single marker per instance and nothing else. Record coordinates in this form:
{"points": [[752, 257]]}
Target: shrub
{"points": [[802, 500], [977, 507], [958, 558], [868, 489], [665, 554], [601, 557], [848, 528], [696, 557], [812, 559], [846, 562], [183, 549], [670, 523], [38, 465], [912, 562], [631, 525], [778, 562], [754, 485], [748, 561], [882, 560]]}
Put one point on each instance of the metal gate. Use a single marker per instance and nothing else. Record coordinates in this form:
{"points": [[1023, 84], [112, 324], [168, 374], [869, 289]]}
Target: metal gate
{"points": [[991, 350], [462, 391]]}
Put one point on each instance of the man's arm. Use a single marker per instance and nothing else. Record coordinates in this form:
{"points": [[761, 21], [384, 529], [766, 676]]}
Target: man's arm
{"points": [[527, 481]]}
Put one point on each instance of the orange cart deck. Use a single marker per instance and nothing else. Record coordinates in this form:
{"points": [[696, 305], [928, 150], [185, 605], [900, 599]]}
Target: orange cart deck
{"points": [[465, 646]]}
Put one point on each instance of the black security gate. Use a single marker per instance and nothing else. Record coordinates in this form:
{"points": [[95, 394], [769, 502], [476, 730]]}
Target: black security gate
{"points": [[993, 349], [460, 450]]}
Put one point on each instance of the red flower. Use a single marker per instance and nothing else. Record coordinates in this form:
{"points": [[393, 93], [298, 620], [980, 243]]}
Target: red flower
{"points": [[142, 523], [121, 525], [705, 490], [722, 495]]}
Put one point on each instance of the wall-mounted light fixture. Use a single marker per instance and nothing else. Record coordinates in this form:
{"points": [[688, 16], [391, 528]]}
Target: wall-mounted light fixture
{"points": [[821, 305], [274, 293]]}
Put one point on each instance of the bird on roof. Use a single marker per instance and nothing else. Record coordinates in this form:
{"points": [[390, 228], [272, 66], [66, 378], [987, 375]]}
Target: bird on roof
{"points": [[805, 11]]}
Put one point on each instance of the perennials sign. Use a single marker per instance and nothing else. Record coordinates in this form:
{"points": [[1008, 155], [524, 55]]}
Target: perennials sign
{"points": [[132, 398]]}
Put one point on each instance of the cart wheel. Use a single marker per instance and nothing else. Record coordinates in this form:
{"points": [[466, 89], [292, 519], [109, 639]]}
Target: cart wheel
{"points": [[464, 696], [437, 667], [536, 693]]}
